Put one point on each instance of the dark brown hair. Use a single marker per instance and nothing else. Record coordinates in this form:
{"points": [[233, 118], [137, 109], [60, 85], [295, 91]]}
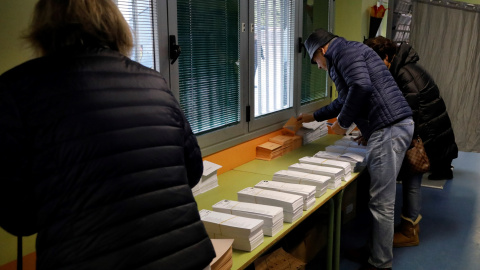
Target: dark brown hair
{"points": [[382, 46], [60, 23]]}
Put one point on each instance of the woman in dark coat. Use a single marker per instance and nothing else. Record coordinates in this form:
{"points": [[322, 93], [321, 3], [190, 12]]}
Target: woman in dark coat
{"points": [[432, 124], [97, 157]]}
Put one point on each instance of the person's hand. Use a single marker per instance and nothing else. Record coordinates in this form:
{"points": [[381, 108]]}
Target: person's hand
{"points": [[360, 140], [305, 118], [338, 129]]}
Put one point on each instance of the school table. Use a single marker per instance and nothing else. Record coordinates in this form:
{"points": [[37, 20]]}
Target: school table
{"points": [[249, 174]]}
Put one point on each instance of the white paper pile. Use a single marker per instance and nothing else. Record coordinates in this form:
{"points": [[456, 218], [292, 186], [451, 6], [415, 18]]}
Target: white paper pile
{"points": [[356, 133], [295, 177], [356, 161], [246, 232], [272, 216], [346, 166], [306, 191], [335, 174], [349, 143], [312, 131], [344, 149], [196, 189], [209, 178], [292, 204], [350, 129]]}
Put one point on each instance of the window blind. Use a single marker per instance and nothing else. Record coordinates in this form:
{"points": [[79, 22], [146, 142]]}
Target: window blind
{"points": [[274, 55], [314, 80], [141, 17], [209, 74]]}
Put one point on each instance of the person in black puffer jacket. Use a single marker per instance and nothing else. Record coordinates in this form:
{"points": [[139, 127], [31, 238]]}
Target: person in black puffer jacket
{"points": [[432, 124], [97, 156]]}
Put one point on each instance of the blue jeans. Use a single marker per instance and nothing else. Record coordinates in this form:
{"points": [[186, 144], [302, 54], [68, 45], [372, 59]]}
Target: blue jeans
{"points": [[412, 196], [385, 151]]}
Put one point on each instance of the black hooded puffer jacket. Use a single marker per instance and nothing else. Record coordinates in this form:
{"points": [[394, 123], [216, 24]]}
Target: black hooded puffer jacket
{"points": [[432, 122]]}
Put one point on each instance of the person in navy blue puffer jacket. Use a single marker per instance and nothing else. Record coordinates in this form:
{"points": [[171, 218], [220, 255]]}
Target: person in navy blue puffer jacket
{"points": [[369, 97], [97, 157]]}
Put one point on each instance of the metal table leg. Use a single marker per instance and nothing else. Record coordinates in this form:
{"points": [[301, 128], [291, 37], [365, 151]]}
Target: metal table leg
{"points": [[338, 226], [331, 221]]}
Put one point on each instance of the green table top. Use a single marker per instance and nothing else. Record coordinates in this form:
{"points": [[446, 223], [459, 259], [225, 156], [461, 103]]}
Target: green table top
{"points": [[248, 175]]}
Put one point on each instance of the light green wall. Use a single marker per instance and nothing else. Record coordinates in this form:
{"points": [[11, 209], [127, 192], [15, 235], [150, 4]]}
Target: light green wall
{"points": [[348, 19], [14, 19], [352, 18]]}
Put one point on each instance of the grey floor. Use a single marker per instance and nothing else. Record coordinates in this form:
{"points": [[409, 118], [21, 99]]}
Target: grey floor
{"points": [[450, 228]]}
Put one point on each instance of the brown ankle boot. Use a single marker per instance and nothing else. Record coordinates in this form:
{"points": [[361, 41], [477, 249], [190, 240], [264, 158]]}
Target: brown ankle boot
{"points": [[406, 234]]}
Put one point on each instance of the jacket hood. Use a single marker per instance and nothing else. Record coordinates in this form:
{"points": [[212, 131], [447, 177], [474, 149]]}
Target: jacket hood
{"points": [[405, 55]]}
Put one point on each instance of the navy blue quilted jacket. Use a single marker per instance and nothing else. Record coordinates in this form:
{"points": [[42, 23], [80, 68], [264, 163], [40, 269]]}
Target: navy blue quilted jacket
{"points": [[98, 159], [367, 93]]}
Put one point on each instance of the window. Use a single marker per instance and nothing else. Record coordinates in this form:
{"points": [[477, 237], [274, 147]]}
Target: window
{"points": [[241, 73], [314, 80], [209, 73], [141, 18], [274, 51]]}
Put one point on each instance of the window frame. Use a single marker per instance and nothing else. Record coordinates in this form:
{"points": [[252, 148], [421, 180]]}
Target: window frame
{"points": [[277, 119], [311, 107], [230, 136]]}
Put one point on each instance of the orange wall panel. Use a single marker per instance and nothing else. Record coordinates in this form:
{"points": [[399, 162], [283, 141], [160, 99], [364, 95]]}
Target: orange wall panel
{"points": [[29, 262], [239, 154]]}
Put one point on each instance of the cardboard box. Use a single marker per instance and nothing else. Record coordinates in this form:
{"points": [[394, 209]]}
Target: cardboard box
{"points": [[309, 238], [279, 259]]}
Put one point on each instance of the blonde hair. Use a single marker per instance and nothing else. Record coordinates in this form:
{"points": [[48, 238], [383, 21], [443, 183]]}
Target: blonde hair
{"points": [[60, 23]]}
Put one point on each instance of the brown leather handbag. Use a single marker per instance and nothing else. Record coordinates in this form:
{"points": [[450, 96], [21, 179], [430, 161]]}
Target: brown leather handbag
{"points": [[416, 157]]}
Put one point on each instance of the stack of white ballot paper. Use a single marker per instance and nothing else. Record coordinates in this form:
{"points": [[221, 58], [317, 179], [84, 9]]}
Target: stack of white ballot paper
{"points": [[319, 181], [349, 143], [335, 174], [345, 166], [312, 131], [357, 161], [272, 216], [292, 204], [209, 178], [246, 232], [345, 149], [306, 191]]}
